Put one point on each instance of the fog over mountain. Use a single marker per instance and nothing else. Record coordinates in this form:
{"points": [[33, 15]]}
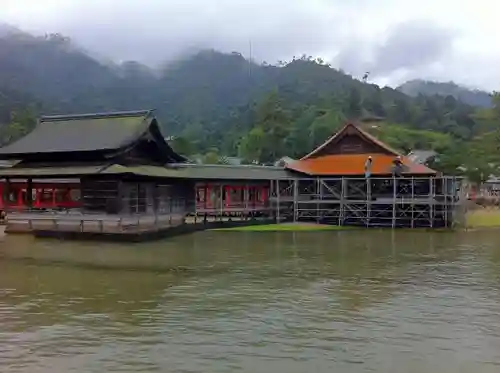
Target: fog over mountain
{"points": [[392, 39]]}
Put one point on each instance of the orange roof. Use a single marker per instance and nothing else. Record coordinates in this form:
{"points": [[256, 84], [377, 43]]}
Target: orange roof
{"points": [[354, 164], [360, 132]]}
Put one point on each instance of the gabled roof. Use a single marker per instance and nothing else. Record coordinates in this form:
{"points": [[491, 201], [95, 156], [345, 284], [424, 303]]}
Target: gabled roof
{"points": [[87, 133], [349, 129], [323, 161]]}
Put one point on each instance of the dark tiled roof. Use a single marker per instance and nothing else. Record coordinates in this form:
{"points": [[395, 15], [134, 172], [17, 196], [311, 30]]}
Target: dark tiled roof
{"points": [[205, 172], [421, 156], [81, 133], [177, 171]]}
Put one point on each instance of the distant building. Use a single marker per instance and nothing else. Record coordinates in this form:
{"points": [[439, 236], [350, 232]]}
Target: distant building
{"points": [[283, 161], [233, 161], [422, 156]]}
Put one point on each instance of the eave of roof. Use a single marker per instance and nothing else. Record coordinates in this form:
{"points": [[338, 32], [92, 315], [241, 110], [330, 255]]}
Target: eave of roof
{"points": [[354, 164], [176, 171], [205, 172], [51, 171]]}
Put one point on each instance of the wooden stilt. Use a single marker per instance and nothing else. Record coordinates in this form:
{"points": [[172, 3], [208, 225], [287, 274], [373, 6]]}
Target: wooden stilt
{"points": [[412, 202], [295, 200], [343, 194], [277, 201], [394, 196], [431, 202]]}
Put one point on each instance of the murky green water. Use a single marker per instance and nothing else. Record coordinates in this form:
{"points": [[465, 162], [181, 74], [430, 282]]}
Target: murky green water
{"points": [[349, 301]]}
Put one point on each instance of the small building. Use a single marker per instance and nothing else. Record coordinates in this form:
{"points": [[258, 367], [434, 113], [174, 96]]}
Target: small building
{"points": [[422, 156], [333, 186], [114, 173]]}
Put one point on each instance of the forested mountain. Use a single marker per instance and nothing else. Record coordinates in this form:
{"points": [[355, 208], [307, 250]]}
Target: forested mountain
{"points": [[217, 103], [473, 97]]}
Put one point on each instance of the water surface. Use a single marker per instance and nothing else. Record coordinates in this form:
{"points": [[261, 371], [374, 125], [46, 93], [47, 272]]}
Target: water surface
{"points": [[352, 301]]}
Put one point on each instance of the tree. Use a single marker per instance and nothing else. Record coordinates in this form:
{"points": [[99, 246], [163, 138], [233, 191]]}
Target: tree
{"points": [[251, 145], [21, 123], [182, 145], [354, 103], [265, 143]]}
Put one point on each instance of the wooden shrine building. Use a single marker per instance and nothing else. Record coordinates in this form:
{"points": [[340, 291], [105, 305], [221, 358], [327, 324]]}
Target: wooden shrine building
{"points": [[355, 179], [114, 174]]}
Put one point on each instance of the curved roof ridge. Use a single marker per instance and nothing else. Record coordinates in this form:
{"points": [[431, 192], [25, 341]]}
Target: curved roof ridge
{"points": [[115, 114]]}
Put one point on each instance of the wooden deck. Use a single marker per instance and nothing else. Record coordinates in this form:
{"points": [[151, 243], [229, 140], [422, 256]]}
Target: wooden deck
{"points": [[89, 223]]}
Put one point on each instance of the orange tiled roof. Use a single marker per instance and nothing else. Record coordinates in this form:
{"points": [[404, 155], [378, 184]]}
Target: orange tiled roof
{"points": [[354, 164]]}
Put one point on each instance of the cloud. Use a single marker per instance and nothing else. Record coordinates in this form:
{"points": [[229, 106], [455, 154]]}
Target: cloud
{"points": [[412, 45], [393, 39], [155, 30]]}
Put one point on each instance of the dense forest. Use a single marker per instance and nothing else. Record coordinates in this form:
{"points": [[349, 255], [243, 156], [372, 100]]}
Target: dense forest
{"points": [[217, 104], [473, 97]]}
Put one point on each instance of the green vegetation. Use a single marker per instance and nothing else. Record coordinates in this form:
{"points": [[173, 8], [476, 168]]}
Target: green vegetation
{"points": [[483, 218], [426, 88], [285, 227], [218, 105]]}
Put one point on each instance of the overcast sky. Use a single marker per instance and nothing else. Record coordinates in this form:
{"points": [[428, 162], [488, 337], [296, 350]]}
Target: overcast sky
{"points": [[395, 40]]}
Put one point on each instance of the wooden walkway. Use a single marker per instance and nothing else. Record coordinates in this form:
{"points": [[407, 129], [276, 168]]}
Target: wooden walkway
{"points": [[88, 223]]}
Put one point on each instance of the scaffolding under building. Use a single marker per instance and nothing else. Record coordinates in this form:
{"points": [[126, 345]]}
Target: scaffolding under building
{"points": [[432, 202]]}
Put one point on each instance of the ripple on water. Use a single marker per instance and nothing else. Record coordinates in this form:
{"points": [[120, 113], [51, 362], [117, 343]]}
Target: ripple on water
{"points": [[371, 302]]}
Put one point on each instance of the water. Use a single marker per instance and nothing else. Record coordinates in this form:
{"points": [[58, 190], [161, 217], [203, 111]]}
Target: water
{"points": [[352, 301]]}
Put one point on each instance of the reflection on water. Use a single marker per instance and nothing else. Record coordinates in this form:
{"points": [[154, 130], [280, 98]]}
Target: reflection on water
{"points": [[353, 301]]}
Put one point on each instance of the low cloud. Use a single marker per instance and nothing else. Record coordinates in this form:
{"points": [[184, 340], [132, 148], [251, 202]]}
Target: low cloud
{"points": [[389, 38]]}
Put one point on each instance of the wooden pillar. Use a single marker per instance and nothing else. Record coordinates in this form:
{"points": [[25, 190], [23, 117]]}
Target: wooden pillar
{"points": [[412, 202], [368, 200], [319, 198], [227, 191], [53, 196], [29, 193], [137, 198], [444, 182], [431, 202], [6, 194], [221, 201], [269, 204], [295, 200], [277, 201], [171, 210], [343, 193], [394, 196]]}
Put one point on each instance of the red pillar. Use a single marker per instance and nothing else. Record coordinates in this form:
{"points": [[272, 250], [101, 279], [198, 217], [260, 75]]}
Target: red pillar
{"points": [[38, 192], [208, 200], [53, 196], [227, 191]]}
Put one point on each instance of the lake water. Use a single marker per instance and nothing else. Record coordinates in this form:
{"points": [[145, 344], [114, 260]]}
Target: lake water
{"points": [[352, 301]]}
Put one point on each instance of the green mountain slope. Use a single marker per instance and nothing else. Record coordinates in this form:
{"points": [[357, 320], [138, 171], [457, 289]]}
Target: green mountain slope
{"points": [[469, 96], [223, 102]]}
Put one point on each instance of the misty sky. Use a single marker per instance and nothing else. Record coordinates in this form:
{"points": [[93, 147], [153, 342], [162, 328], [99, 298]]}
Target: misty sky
{"points": [[395, 40]]}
